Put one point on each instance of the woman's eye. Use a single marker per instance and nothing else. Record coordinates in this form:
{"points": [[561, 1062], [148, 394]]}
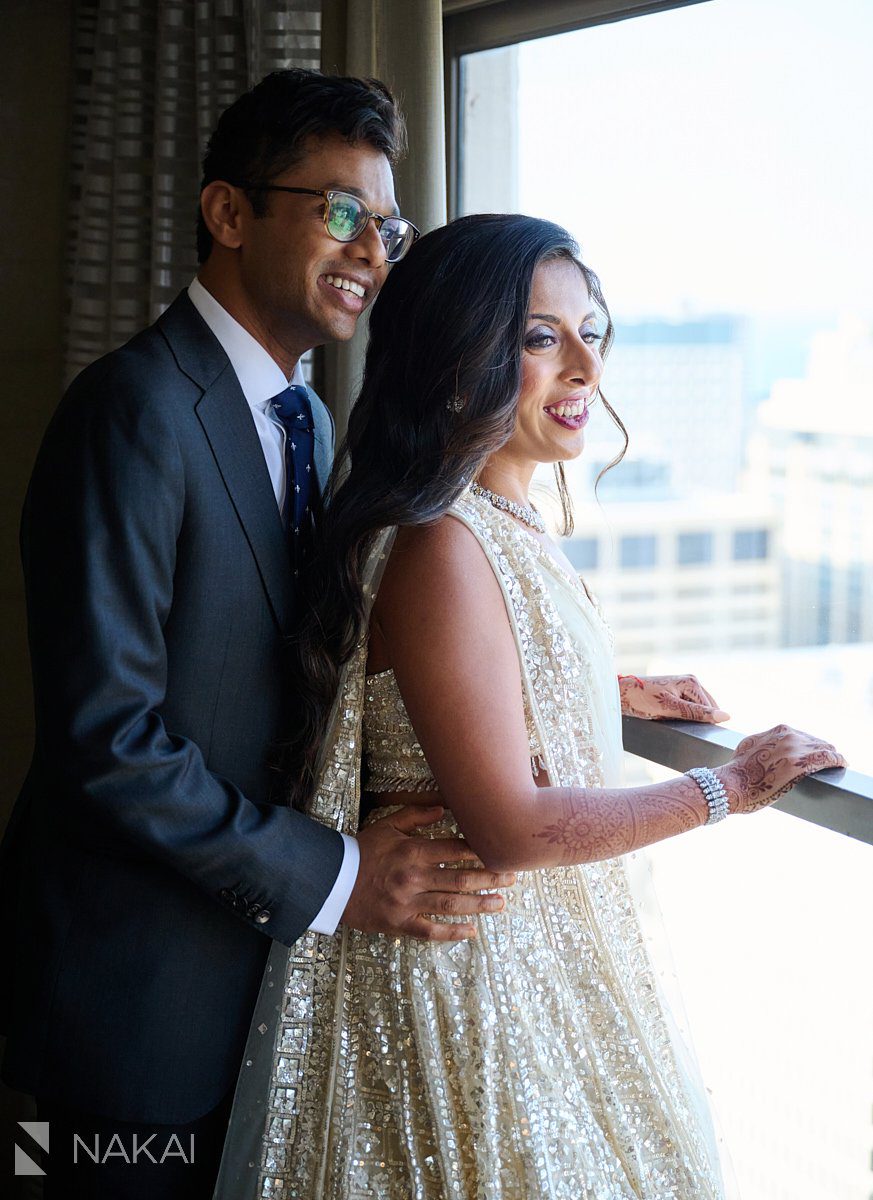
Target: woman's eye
{"points": [[590, 336], [540, 340]]}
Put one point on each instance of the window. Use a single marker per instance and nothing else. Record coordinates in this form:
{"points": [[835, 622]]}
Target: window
{"points": [[751, 543], [638, 596], [692, 548], [693, 593], [582, 553], [750, 589], [722, 368], [634, 135], [638, 550]]}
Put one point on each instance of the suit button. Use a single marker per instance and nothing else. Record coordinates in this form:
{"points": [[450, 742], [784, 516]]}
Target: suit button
{"points": [[227, 895], [263, 916], [253, 910]]}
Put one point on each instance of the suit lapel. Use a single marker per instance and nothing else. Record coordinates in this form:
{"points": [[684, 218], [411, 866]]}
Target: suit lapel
{"points": [[227, 423]]}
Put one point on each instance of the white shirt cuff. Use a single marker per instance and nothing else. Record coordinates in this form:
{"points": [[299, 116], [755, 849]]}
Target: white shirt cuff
{"points": [[328, 917]]}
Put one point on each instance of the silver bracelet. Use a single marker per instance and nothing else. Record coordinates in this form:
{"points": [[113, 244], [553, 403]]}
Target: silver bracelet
{"points": [[713, 789]]}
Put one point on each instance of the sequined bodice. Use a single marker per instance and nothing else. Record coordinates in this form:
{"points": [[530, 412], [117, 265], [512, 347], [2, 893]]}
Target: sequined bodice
{"points": [[394, 759]]}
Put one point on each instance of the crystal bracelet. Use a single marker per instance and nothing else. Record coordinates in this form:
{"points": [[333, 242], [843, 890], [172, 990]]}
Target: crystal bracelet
{"points": [[713, 789]]}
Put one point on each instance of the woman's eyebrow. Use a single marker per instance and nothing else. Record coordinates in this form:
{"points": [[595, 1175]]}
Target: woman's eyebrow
{"points": [[557, 320]]}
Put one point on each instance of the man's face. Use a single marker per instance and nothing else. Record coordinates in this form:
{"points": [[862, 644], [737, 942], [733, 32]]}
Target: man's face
{"points": [[287, 257]]}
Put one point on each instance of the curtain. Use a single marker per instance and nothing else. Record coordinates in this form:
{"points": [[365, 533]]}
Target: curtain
{"points": [[150, 80], [400, 42]]}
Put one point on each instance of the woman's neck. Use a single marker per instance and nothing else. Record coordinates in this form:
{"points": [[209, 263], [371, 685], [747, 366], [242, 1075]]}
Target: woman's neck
{"points": [[509, 479]]}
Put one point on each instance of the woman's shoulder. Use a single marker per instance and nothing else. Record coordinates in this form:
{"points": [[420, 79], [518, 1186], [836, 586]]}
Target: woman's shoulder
{"points": [[447, 536], [438, 562]]}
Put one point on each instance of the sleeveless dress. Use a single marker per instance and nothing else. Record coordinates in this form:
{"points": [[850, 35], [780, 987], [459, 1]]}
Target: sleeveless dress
{"points": [[535, 1062]]}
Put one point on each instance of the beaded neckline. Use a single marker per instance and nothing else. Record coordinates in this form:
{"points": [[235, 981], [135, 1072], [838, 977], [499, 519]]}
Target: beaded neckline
{"points": [[522, 512], [542, 551]]}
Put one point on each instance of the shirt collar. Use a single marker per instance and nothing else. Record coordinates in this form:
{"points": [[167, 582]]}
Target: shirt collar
{"points": [[259, 375]]}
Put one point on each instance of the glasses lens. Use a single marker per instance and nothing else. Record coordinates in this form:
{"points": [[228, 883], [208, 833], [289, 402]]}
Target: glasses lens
{"points": [[396, 237], [346, 217]]}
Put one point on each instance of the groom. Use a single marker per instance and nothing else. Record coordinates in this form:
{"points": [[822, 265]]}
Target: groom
{"points": [[150, 859]]}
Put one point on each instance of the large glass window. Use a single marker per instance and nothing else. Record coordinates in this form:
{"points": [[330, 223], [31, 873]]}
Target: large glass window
{"points": [[715, 163], [695, 155]]}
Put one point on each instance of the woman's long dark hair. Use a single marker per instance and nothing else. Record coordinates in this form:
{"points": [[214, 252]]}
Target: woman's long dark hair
{"points": [[441, 381]]}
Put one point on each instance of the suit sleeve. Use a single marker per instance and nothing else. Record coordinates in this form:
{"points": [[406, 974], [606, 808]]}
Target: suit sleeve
{"points": [[102, 518]]}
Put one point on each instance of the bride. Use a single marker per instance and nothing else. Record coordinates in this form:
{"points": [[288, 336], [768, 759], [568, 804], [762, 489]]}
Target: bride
{"points": [[451, 648]]}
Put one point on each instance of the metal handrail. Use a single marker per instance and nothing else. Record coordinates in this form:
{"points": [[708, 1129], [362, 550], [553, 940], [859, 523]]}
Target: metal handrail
{"points": [[837, 799]]}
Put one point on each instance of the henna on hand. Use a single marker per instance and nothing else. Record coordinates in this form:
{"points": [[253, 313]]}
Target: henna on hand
{"points": [[754, 780], [674, 706], [767, 765], [662, 697]]}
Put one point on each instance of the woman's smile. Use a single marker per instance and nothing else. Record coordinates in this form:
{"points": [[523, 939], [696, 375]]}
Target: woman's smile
{"points": [[571, 412]]}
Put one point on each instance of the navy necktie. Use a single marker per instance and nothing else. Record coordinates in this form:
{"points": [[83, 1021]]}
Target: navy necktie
{"points": [[294, 410]]}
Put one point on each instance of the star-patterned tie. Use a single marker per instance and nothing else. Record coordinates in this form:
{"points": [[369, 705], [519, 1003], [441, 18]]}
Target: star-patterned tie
{"points": [[293, 409]]}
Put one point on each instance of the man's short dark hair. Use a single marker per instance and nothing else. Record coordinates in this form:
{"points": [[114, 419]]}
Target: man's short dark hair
{"points": [[266, 130]]}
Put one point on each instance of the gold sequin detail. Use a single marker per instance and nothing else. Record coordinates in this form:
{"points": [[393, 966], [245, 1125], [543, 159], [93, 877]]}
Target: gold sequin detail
{"points": [[532, 1063], [394, 759]]}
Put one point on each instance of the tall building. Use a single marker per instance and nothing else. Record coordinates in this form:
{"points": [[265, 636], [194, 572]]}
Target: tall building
{"points": [[676, 575], [812, 453], [681, 389]]}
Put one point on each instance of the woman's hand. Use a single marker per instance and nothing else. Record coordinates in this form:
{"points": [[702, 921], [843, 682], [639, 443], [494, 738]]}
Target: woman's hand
{"points": [[767, 765], [668, 697]]}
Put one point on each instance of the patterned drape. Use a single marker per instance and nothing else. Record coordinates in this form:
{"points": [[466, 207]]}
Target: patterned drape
{"points": [[151, 78]]}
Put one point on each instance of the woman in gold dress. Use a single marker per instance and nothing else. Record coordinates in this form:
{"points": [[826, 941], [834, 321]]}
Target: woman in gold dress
{"points": [[452, 649]]}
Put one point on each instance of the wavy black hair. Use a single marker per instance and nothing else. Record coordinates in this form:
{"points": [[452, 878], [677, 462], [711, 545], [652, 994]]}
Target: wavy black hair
{"points": [[448, 323]]}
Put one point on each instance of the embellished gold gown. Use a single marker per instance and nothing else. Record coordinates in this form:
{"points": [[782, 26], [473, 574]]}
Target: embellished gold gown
{"points": [[535, 1062]]}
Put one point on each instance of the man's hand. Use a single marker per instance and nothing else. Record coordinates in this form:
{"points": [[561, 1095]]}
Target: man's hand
{"points": [[400, 880], [668, 698]]}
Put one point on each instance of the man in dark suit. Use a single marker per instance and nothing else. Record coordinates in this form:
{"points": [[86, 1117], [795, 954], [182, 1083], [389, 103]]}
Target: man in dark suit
{"points": [[150, 858]]}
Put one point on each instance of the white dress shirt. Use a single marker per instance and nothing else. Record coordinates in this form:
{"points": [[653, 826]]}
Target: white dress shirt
{"points": [[261, 378]]}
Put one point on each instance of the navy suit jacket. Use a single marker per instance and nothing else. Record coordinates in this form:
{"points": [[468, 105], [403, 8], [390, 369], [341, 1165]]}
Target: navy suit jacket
{"points": [[150, 857]]}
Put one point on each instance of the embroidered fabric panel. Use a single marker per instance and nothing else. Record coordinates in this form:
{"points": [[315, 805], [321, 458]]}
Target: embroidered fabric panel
{"points": [[531, 1063], [395, 760]]}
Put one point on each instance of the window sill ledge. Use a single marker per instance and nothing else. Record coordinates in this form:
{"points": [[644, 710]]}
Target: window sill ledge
{"points": [[840, 800]]}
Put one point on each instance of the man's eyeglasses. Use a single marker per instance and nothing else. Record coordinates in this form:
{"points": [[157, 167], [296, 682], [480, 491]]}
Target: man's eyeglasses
{"points": [[346, 217]]}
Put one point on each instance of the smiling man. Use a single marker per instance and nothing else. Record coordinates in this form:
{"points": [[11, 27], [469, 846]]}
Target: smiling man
{"points": [[151, 858]]}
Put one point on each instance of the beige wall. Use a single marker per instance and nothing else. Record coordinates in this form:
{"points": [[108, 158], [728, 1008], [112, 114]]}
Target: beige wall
{"points": [[35, 84]]}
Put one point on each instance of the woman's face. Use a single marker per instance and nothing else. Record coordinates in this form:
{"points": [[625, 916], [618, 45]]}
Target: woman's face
{"points": [[561, 366]]}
